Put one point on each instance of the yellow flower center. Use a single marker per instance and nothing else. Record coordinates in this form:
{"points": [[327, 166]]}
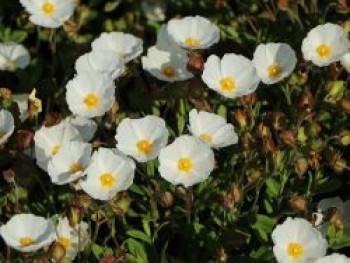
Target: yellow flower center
{"points": [[26, 241], [145, 147], [65, 242], [107, 180], [76, 167], [207, 138], [192, 42], [323, 51], [228, 84], [91, 101], [274, 71], [295, 250], [169, 72], [185, 165], [48, 8], [55, 149]]}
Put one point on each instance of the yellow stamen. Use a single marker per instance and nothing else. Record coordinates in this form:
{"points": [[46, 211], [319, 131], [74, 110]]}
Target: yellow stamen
{"points": [[323, 51], [169, 72], [274, 71], [185, 165], [91, 101], [26, 241], [55, 149], [295, 250], [76, 167], [107, 180], [228, 85], [207, 138], [65, 242], [192, 42], [145, 147], [49, 9]]}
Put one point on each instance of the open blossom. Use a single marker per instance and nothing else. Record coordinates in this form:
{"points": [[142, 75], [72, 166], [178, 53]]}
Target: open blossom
{"points": [[166, 42], [296, 240], [48, 141], [27, 232], [212, 129], [345, 61], [166, 65], [125, 46], [86, 127], [142, 138], [49, 13], [7, 125], [90, 95], [232, 76], [13, 56], [187, 161], [99, 62], [72, 239], [333, 258], [70, 162], [274, 62], [325, 44], [22, 101], [193, 32], [108, 173]]}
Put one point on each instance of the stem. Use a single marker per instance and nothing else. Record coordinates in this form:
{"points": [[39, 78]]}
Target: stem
{"points": [[189, 202]]}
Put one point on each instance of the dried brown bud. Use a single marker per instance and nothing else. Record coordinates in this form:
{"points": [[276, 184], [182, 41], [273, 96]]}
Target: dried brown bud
{"points": [[40, 260], [57, 251], [75, 214], [241, 117], [9, 175], [5, 93], [249, 99], [338, 163], [306, 104], [221, 255], [315, 160], [70, 27], [220, 3], [301, 166], [83, 200], [277, 120], [263, 130], [108, 259], [345, 104], [24, 139], [52, 118], [167, 199], [195, 62], [298, 203], [247, 140], [287, 137], [283, 4], [113, 112], [268, 144]]}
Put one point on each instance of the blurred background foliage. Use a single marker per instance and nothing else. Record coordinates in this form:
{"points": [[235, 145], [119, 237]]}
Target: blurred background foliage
{"points": [[291, 152]]}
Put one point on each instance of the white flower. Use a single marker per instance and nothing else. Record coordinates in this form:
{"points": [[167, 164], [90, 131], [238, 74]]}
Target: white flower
{"points": [[325, 44], [70, 162], [333, 258], [166, 65], [345, 61], [339, 217], [154, 9], [72, 239], [12, 56], [27, 232], [165, 42], [187, 161], [233, 76], [86, 127], [193, 32], [296, 240], [274, 62], [212, 129], [90, 95], [108, 173], [49, 13], [100, 62], [142, 138], [22, 102], [7, 125], [124, 46], [48, 141]]}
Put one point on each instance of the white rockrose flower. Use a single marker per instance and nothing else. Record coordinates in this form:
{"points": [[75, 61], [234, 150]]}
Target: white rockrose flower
{"points": [[22, 102], [7, 125], [187, 161], [27, 232], [333, 258], [325, 44], [274, 62], [49, 13], [13, 56], [212, 129], [232, 76], [142, 138], [108, 173], [345, 61], [86, 127], [90, 95]]}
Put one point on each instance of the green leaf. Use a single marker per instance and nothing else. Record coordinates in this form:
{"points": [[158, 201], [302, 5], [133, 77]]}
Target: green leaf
{"points": [[273, 187], [139, 235], [137, 250], [97, 251], [264, 226]]}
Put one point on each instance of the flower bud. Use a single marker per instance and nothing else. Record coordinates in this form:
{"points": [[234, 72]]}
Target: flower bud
{"points": [[315, 159], [221, 255], [247, 140], [220, 3], [70, 27], [34, 105], [335, 91], [40, 260], [268, 144], [338, 163], [113, 112], [298, 203], [195, 63], [167, 199], [52, 118], [277, 158], [108, 259], [75, 214], [9, 175], [24, 139], [121, 204], [283, 4], [263, 130], [83, 200], [345, 104], [241, 117], [306, 104], [301, 136], [315, 128], [287, 137], [57, 251], [301, 166], [345, 137], [249, 99]]}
